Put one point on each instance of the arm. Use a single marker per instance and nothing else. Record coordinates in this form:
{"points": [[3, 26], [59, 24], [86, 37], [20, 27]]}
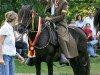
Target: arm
{"points": [[90, 35], [62, 15], [21, 59], [2, 38], [17, 35]]}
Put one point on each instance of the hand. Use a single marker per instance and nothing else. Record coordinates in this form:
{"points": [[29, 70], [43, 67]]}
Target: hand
{"points": [[90, 35], [1, 61], [21, 59], [48, 18]]}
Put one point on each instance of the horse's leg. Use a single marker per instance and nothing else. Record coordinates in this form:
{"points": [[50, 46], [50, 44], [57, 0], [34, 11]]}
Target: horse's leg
{"points": [[81, 63], [50, 67], [38, 67]]}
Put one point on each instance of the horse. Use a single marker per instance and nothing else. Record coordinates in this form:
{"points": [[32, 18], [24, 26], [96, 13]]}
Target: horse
{"points": [[47, 47], [97, 19], [97, 22]]}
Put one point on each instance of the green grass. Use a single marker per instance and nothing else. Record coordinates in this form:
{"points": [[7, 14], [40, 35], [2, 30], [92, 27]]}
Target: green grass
{"points": [[67, 70], [95, 66]]}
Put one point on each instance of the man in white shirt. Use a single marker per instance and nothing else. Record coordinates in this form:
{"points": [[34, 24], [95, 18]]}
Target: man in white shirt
{"points": [[90, 19]]}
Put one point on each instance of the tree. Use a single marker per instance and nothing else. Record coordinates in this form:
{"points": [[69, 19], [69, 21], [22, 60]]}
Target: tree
{"points": [[75, 7]]}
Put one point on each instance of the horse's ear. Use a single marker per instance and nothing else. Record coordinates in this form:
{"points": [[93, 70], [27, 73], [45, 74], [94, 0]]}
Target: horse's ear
{"points": [[30, 7], [43, 2], [23, 6]]}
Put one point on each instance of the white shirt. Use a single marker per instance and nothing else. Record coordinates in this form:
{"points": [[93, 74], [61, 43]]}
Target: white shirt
{"points": [[89, 20], [72, 24], [17, 35], [8, 46], [52, 9], [25, 37], [79, 24]]}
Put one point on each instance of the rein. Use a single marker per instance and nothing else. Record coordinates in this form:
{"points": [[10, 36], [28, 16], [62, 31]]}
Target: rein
{"points": [[41, 30], [48, 26]]}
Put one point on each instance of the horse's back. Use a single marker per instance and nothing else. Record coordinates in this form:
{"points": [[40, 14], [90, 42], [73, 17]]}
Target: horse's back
{"points": [[77, 31], [79, 36]]}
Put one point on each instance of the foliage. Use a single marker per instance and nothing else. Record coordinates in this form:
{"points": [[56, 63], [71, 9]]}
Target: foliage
{"points": [[79, 8], [75, 7]]}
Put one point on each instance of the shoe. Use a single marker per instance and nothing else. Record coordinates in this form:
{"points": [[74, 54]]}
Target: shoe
{"points": [[63, 60], [94, 56]]}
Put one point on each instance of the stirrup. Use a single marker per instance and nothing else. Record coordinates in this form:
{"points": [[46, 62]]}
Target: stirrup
{"points": [[64, 60]]}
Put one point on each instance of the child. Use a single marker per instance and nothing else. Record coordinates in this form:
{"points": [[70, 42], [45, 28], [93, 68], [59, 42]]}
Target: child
{"points": [[88, 32], [91, 42]]}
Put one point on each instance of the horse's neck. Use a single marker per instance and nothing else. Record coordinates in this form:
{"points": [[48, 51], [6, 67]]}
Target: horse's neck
{"points": [[31, 36]]}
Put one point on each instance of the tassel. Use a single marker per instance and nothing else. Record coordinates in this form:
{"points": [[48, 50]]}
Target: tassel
{"points": [[32, 52]]}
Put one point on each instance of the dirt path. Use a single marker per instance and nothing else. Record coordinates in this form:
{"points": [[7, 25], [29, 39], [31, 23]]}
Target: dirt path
{"points": [[25, 74]]}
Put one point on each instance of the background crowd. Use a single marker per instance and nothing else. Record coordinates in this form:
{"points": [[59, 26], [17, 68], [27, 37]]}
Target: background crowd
{"points": [[87, 24]]}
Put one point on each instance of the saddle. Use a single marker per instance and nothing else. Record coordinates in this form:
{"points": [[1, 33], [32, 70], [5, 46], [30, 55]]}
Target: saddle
{"points": [[53, 34]]}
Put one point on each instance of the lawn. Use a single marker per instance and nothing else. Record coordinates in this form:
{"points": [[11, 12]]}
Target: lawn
{"points": [[58, 70]]}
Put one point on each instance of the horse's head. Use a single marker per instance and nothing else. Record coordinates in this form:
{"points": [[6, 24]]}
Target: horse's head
{"points": [[26, 19]]}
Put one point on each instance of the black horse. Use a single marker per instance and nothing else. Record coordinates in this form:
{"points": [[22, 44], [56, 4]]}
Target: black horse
{"points": [[47, 49], [97, 19]]}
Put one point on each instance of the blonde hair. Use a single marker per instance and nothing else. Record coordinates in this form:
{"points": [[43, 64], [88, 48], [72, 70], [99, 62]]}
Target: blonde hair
{"points": [[10, 16]]}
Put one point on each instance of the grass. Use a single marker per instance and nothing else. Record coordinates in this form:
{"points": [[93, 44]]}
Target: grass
{"points": [[95, 66], [67, 70]]}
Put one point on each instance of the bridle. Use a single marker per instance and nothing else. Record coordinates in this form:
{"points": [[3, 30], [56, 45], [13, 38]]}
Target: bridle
{"points": [[47, 24], [31, 18]]}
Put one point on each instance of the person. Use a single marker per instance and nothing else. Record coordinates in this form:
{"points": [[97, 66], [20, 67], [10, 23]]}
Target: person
{"points": [[98, 36], [90, 41], [90, 19], [88, 32], [72, 23], [7, 44], [79, 21], [21, 42], [58, 9]]}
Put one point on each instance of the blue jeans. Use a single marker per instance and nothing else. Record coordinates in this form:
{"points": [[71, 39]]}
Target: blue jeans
{"points": [[9, 67], [93, 42], [90, 47], [0, 70]]}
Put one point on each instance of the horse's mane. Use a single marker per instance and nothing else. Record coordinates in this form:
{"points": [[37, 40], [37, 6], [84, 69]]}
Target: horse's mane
{"points": [[97, 18], [24, 14]]}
